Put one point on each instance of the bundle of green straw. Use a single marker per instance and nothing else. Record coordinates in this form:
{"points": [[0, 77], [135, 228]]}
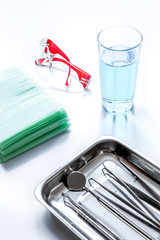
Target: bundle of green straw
{"points": [[28, 116]]}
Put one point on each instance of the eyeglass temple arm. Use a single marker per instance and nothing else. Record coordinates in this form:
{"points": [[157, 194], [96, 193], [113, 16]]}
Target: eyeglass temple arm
{"points": [[83, 76]]}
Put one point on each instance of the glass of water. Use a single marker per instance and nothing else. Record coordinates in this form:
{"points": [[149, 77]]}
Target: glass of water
{"points": [[119, 50]]}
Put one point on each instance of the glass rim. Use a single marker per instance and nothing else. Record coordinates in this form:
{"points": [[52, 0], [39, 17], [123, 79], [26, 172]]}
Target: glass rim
{"points": [[120, 26]]}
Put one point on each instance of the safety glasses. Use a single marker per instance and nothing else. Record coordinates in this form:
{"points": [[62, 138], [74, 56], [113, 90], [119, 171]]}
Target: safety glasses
{"points": [[51, 53]]}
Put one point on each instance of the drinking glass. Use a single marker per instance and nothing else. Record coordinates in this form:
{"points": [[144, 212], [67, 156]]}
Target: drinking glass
{"points": [[119, 51]]}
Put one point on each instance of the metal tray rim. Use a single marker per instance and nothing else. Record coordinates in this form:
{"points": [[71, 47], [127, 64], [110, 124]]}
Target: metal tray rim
{"points": [[92, 144]]}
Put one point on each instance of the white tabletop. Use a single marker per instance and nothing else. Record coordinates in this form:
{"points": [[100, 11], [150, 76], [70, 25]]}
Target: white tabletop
{"points": [[73, 26]]}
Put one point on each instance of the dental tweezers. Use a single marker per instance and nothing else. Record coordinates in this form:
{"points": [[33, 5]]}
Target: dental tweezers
{"points": [[89, 218], [133, 207], [121, 182]]}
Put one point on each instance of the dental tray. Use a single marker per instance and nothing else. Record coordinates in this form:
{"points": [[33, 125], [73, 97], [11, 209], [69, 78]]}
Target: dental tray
{"points": [[131, 168]]}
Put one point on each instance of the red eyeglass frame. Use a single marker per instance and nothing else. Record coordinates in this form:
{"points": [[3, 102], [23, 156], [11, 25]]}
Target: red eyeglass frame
{"points": [[52, 49]]}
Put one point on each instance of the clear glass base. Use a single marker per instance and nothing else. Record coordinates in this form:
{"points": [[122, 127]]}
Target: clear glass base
{"points": [[117, 106]]}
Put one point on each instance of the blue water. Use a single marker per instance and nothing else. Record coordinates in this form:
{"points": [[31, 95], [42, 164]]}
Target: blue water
{"points": [[118, 73]]}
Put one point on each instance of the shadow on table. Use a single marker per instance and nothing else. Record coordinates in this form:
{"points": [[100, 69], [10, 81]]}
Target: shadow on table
{"points": [[123, 125], [59, 230]]}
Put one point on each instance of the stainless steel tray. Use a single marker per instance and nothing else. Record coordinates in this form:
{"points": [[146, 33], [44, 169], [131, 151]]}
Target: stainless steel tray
{"points": [[104, 150]]}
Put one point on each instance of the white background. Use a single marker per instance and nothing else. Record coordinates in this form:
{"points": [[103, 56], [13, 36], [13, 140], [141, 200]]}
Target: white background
{"points": [[73, 26]]}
